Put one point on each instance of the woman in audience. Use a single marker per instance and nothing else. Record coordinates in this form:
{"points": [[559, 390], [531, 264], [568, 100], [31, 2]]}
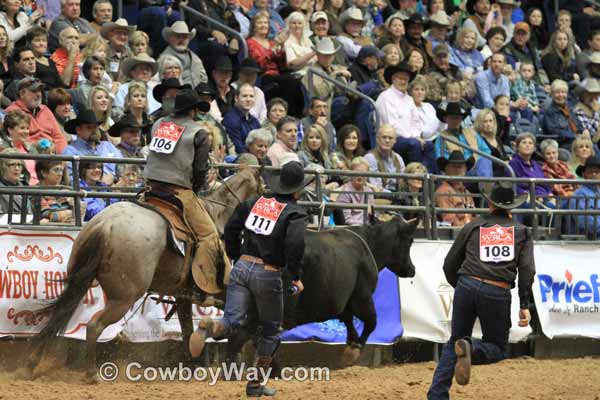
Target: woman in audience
{"points": [[393, 56], [348, 147], [6, 48], [90, 179], [136, 103], [93, 70], [15, 21], [465, 55], [356, 191], [98, 47], [486, 127], [277, 108], [503, 120], [258, 142], [16, 136], [333, 9], [411, 190], [581, 149], [417, 61], [587, 110], [559, 118], [53, 208], [556, 169], [313, 148], [276, 23], [299, 52], [495, 39], [525, 167], [11, 172], [169, 67], [558, 58], [139, 42], [100, 102], [60, 102], [539, 34], [430, 124], [394, 34], [45, 68]]}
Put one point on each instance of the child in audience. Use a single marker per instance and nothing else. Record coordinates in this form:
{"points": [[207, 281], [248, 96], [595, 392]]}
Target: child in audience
{"points": [[522, 92]]}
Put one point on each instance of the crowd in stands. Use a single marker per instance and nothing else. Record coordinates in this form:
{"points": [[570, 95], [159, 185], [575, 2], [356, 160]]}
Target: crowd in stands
{"points": [[509, 79]]}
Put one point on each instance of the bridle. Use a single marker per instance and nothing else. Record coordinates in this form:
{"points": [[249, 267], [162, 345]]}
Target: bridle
{"points": [[230, 190]]}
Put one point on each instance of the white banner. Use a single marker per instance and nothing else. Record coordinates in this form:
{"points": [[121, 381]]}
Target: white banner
{"points": [[426, 299], [567, 289]]}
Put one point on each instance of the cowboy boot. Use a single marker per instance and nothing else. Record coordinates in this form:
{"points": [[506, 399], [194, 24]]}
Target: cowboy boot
{"points": [[254, 387], [206, 328], [462, 369]]}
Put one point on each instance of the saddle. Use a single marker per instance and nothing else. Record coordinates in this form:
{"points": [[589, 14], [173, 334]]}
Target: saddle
{"points": [[181, 235]]}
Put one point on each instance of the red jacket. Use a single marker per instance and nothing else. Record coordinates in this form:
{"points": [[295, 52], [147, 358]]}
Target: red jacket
{"points": [[42, 125]]}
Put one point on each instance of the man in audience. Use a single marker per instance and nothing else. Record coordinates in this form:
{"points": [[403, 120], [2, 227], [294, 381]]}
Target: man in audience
{"points": [[352, 22], [286, 141], [491, 82], [117, 33], [178, 37], [364, 68], [438, 33], [586, 197], [415, 26], [70, 17], [248, 73], [319, 114], [238, 121], [321, 30], [583, 58], [384, 159], [326, 53], [24, 67], [130, 133], [440, 73], [102, 13], [42, 123], [221, 77], [453, 194], [520, 50]]}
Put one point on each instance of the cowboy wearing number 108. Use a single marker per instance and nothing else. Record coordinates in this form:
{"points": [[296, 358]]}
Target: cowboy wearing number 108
{"points": [[482, 266]]}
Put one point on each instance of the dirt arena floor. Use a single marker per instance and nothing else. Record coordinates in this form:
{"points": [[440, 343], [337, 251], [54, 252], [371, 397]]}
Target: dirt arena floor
{"points": [[522, 378]]}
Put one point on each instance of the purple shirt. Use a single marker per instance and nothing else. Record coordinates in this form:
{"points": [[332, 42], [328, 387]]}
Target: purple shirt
{"points": [[531, 170], [51, 7]]}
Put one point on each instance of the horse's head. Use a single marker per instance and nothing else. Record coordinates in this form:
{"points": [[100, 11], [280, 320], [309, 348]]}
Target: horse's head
{"points": [[401, 263]]}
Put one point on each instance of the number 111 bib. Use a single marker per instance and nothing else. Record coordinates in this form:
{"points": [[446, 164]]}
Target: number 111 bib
{"points": [[497, 243], [264, 216]]}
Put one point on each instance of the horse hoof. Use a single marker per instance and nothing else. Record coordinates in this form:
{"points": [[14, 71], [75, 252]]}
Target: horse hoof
{"points": [[24, 373], [350, 355], [91, 378]]}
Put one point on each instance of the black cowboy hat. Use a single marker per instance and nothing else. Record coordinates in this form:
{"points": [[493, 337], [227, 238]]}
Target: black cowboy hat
{"points": [[126, 121], [187, 99], [389, 72], [83, 117], [456, 157], [250, 65], [223, 63], [170, 83], [416, 19], [451, 109], [289, 179], [501, 194], [204, 88], [589, 162]]}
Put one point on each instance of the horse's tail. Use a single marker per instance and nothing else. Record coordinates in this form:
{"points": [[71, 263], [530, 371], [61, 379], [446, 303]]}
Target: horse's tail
{"points": [[84, 262]]}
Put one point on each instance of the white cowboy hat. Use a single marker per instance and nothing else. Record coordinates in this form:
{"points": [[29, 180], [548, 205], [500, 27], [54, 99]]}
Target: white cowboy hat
{"points": [[142, 58], [325, 46], [121, 23], [440, 18], [351, 13], [178, 28], [510, 3], [589, 85]]}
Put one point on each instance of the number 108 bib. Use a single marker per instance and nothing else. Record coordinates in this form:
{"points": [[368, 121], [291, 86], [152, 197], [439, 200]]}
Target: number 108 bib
{"points": [[264, 216], [497, 243]]}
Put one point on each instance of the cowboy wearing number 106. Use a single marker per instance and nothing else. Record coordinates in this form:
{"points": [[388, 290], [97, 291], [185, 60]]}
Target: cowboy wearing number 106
{"points": [[482, 266]]}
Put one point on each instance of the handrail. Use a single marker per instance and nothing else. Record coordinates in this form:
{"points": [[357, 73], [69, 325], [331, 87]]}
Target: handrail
{"points": [[232, 32], [312, 71]]}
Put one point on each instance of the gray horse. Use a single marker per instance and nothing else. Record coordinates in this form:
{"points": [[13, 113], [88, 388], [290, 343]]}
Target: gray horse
{"points": [[125, 249]]}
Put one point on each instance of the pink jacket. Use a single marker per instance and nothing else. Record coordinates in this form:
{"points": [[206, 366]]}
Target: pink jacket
{"points": [[42, 125]]}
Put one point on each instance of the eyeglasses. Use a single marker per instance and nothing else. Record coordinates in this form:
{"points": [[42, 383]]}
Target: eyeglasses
{"points": [[15, 165]]}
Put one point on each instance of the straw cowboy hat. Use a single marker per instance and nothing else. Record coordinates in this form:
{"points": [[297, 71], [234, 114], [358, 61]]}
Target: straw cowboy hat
{"points": [[589, 85], [141, 58], [325, 46], [440, 18], [178, 28], [353, 14], [501, 194], [121, 23], [513, 3]]}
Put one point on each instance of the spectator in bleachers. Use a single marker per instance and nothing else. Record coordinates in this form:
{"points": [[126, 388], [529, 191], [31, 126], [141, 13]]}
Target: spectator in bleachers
{"points": [[102, 13], [129, 131], [417, 61], [60, 101], [392, 56], [352, 22], [165, 93], [441, 72], [284, 147], [16, 22], [15, 135], [98, 47], [593, 66], [136, 103], [53, 208], [258, 142], [523, 94], [506, 9], [45, 68], [207, 93], [486, 126], [277, 108], [170, 67], [384, 159], [587, 109], [239, 14], [520, 50], [6, 48], [361, 193], [129, 175], [492, 82], [587, 197], [539, 33], [99, 101], [430, 124], [91, 179], [326, 51], [139, 43], [140, 68], [314, 148], [178, 37], [495, 39], [89, 143], [464, 55], [117, 33], [70, 17], [556, 169], [93, 70], [411, 190], [292, 6], [318, 113], [394, 34], [248, 73], [276, 23], [583, 58], [23, 66], [333, 9], [454, 194], [67, 56], [43, 123], [438, 32], [348, 147], [364, 68], [320, 28], [560, 120], [581, 149], [482, 19], [11, 172], [558, 58], [238, 121], [415, 25], [299, 53], [525, 166], [453, 116], [503, 119], [222, 74]]}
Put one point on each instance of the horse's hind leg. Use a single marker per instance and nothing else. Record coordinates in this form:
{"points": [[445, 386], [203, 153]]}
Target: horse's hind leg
{"points": [[113, 312]]}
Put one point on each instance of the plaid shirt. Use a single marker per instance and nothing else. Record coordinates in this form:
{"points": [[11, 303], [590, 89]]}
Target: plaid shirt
{"points": [[525, 89], [588, 118]]}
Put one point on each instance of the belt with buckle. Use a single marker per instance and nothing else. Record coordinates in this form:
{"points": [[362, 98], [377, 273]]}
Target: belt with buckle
{"points": [[256, 260], [503, 285]]}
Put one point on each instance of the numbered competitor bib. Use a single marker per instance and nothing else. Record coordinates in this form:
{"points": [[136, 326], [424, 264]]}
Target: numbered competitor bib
{"points": [[264, 216], [497, 243], [166, 137]]}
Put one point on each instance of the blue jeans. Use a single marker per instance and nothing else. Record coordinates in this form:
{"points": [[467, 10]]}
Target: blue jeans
{"points": [[474, 299], [411, 151], [252, 287]]}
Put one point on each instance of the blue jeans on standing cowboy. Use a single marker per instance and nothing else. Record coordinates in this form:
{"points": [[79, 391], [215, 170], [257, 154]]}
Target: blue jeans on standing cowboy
{"points": [[252, 286], [474, 299]]}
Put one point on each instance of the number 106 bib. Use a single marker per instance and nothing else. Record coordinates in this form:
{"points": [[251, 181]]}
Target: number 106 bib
{"points": [[264, 215], [166, 137], [497, 243]]}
